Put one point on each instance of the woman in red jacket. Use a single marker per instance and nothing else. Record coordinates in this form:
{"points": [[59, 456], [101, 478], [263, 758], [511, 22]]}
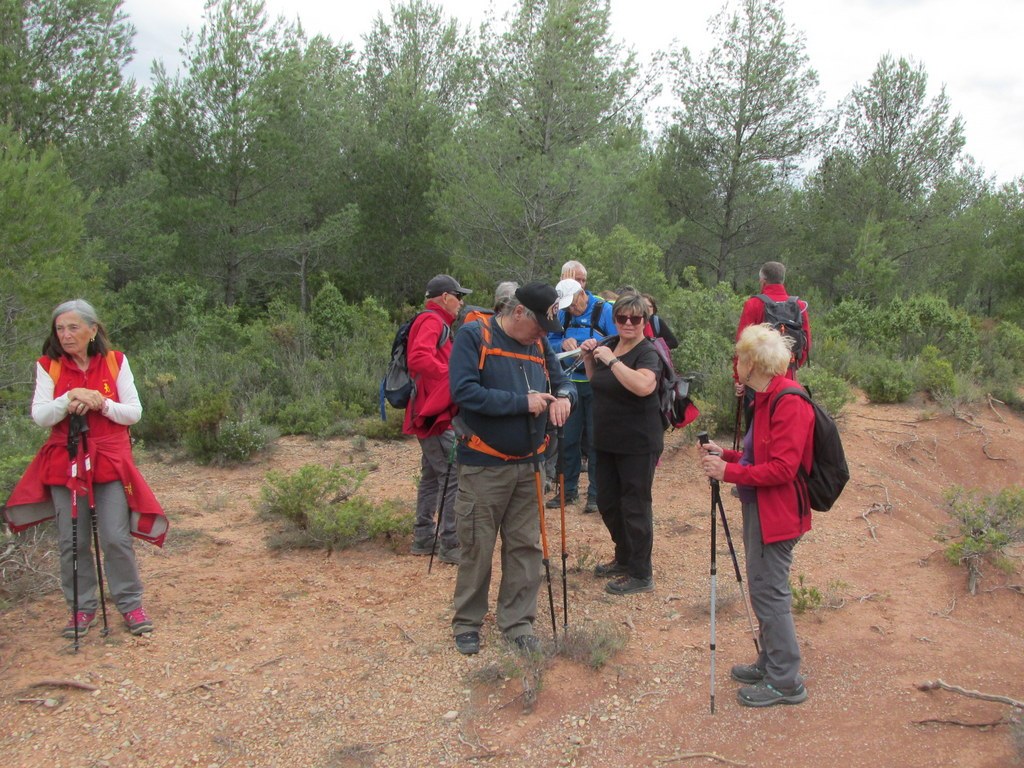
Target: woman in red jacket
{"points": [[80, 378], [776, 510]]}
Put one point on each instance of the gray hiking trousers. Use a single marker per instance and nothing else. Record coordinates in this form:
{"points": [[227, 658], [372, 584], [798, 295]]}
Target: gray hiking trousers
{"points": [[123, 582], [768, 580]]}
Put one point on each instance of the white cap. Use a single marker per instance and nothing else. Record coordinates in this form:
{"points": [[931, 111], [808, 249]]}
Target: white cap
{"points": [[567, 290]]}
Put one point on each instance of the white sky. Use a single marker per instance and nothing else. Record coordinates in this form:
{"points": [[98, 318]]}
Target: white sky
{"points": [[971, 47]]}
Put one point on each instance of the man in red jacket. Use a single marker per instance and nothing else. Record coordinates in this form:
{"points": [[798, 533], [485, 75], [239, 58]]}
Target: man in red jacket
{"points": [[429, 416], [772, 278]]}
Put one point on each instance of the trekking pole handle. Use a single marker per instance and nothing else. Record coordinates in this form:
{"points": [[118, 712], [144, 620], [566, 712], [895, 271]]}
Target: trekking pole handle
{"points": [[703, 439]]}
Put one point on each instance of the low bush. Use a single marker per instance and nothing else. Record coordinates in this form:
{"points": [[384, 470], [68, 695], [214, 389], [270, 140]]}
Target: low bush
{"points": [[934, 374], [885, 381], [828, 390], [593, 643], [322, 503], [986, 526]]}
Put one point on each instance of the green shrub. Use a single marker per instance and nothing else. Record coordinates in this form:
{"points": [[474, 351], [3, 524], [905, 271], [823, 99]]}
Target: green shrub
{"points": [[987, 525], [829, 391], [20, 439], [885, 381], [805, 598], [323, 504], [240, 440], [306, 416], [934, 374], [593, 643]]}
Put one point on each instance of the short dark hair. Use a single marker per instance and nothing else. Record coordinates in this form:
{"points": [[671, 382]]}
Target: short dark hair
{"points": [[773, 272]]}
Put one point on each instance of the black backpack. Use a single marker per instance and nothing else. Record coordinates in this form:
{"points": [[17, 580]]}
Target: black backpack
{"points": [[397, 387], [677, 410], [787, 318], [829, 472]]}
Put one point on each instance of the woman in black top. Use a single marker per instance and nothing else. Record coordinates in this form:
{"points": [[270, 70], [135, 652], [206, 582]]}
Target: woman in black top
{"points": [[628, 439]]}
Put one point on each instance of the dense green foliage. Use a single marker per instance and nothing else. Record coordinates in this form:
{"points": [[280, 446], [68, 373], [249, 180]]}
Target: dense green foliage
{"points": [[252, 227]]}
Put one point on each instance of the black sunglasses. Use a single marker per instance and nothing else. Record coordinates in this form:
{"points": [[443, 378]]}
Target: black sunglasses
{"points": [[629, 319]]}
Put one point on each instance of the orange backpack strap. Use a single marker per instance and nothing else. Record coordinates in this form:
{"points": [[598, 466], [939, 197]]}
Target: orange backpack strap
{"points": [[54, 371], [487, 349], [113, 364]]}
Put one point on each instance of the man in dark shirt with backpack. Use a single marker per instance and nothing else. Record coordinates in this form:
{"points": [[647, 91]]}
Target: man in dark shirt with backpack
{"points": [[507, 384], [773, 305]]}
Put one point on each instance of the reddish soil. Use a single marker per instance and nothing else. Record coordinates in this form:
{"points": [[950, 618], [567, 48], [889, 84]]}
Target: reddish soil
{"points": [[305, 658]]}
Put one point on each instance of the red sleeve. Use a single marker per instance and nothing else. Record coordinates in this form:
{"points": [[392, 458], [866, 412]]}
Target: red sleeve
{"points": [[790, 428], [422, 356]]}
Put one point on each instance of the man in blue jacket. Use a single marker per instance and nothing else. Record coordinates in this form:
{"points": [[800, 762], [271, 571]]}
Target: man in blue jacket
{"points": [[585, 317], [507, 384]]}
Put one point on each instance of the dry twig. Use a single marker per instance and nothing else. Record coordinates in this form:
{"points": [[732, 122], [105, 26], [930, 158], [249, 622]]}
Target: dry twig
{"points": [[989, 724], [207, 684], [1018, 588], [931, 686], [998, 415], [63, 684], [267, 663], [678, 758]]}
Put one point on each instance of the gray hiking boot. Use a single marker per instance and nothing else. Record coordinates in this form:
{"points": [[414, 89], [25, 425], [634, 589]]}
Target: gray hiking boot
{"points": [[450, 555], [423, 546], [750, 674], [629, 585], [765, 694]]}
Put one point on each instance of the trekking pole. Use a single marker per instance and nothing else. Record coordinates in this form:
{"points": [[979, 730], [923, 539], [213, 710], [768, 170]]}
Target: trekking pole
{"points": [[94, 524], [73, 441], [561, 505], [540, 508], [440, 502], [703, 437], [716, 501], [736, 432]]}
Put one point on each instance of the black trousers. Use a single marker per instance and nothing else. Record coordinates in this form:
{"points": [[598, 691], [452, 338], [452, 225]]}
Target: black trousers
{"points": [[624, 484]]}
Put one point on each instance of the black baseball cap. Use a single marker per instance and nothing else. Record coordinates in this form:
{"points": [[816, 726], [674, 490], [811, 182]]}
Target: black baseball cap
{"points": [[439, 284], [542, 300]]}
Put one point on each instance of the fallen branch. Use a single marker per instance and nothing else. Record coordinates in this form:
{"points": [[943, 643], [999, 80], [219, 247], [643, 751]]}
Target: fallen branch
{"points": [[1018, 588], [984, 449], [940, 721], [695, 755], [998, 415], [931, 686], [871, 526], [63, 684]]}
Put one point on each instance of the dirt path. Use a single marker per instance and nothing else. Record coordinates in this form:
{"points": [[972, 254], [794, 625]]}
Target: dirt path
{"points": [[263, 659]]}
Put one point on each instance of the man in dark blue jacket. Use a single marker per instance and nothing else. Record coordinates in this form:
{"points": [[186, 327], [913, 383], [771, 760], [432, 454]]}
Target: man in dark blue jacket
{"points": [[584, 318], [507, 384]]}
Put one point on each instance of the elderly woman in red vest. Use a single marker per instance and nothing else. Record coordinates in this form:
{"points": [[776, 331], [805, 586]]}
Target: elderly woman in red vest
{"points": [[82, 382]]}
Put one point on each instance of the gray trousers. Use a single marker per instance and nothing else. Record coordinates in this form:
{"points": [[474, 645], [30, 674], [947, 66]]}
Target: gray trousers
{"points": [[495, 500], [433, 469], [122, 572], [768, 580]]}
